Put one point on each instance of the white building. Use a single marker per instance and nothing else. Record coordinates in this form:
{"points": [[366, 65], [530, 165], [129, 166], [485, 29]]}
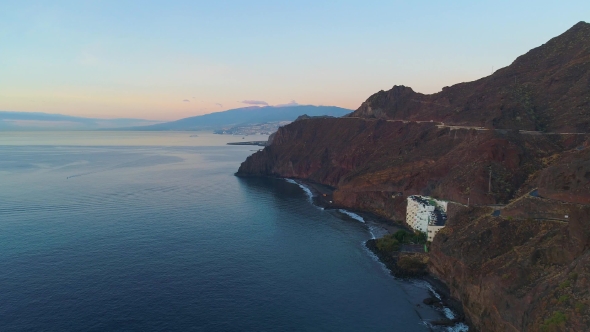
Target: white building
{"points": [[426, 215], [418, 213], [432, 230]]}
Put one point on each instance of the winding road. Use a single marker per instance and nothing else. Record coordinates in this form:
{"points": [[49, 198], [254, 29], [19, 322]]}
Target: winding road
{"points": [[456, 127]]}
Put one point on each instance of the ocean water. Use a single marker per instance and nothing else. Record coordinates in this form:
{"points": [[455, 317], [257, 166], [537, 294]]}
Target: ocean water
{"points": [[152, 232]]}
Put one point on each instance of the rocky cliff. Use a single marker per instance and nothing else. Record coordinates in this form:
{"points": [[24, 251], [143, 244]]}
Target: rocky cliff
{"points": [[375, 164], [486, 142], [517, 274], [547, 89], [568, 179]]}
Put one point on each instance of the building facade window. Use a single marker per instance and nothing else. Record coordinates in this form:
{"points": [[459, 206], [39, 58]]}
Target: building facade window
{"points": [[425, 214]]}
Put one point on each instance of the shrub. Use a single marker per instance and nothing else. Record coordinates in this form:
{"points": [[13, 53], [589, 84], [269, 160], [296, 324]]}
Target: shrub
{"points": [[413, 263], [401, 236], [404, 237], [420, 238], [388, 243], [552, 323]]}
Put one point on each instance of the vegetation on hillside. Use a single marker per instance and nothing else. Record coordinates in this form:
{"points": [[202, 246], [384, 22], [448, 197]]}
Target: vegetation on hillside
{"points": [[392, 242]]}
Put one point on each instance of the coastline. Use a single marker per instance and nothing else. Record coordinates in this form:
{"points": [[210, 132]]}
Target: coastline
{"points": [[452, 315], [441, 295]]}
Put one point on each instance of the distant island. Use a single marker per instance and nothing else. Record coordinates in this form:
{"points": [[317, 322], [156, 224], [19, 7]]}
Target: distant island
{"points": [[267, 116], [45, 121], [239, 121]]}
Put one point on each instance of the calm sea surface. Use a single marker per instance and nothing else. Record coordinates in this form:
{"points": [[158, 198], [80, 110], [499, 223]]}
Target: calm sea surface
{"points": [[127, 231]]}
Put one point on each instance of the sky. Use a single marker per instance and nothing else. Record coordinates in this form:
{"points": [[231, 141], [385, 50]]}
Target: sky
{"points": [[165, 60]]}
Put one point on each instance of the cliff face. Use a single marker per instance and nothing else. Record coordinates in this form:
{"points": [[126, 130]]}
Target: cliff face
{"points": [[375, 164], [529, 268], [517, 274], [568, 179]]}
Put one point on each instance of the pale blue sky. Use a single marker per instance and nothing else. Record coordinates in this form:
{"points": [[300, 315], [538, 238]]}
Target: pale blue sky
{"points": [[145, 58]]}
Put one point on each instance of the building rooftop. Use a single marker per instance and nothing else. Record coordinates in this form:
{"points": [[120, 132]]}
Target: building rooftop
{"points": [[440, 217], [421, 200]]}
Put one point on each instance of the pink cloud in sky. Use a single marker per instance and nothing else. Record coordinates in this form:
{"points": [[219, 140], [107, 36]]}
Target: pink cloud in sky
{"points": [[254, 102]]}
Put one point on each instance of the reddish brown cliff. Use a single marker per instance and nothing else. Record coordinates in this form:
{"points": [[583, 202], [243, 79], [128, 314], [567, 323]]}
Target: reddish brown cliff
{"points": [[375, 164], [529, 268], [514, 274], [568, 179], [547, 88]]}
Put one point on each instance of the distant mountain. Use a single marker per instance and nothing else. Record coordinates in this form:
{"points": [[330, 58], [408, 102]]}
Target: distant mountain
{"points": [[247, 115], [46, 121]]}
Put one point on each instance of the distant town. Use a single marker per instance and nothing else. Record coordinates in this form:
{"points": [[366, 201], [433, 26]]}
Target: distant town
{"points": [[266, 128]]}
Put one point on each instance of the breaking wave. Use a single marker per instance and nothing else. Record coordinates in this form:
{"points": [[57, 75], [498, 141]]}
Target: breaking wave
{"points": [[361, 219], [374, 257], [459, 327], [307, 191], [352, 215]]}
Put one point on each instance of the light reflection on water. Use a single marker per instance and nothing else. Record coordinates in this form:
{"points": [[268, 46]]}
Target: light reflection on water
{"points": [[122, 138]]}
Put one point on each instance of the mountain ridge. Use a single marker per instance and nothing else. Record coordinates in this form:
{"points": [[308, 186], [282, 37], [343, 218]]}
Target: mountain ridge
{"points": [[517, 141], [246, 115], [529, 94], [12, 120]]}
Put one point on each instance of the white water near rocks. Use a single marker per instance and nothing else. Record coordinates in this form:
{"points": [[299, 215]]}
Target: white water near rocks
{"points": [[371, 228], [459, 327], [448, 313], [353, 215], [305, 189]]}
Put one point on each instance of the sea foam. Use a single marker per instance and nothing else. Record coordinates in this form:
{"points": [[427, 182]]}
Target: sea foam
{"points": [[361, 219], [307, 191], [374, 257], [352, 215], [459, 327]]}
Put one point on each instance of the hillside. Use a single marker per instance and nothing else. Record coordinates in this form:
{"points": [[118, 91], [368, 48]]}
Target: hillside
{"points": [[247, 115], [524, 270]]}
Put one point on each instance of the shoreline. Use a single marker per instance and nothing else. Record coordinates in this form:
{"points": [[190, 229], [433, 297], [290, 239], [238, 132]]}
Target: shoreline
{"points": [[321, 196], [440, 293]]}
